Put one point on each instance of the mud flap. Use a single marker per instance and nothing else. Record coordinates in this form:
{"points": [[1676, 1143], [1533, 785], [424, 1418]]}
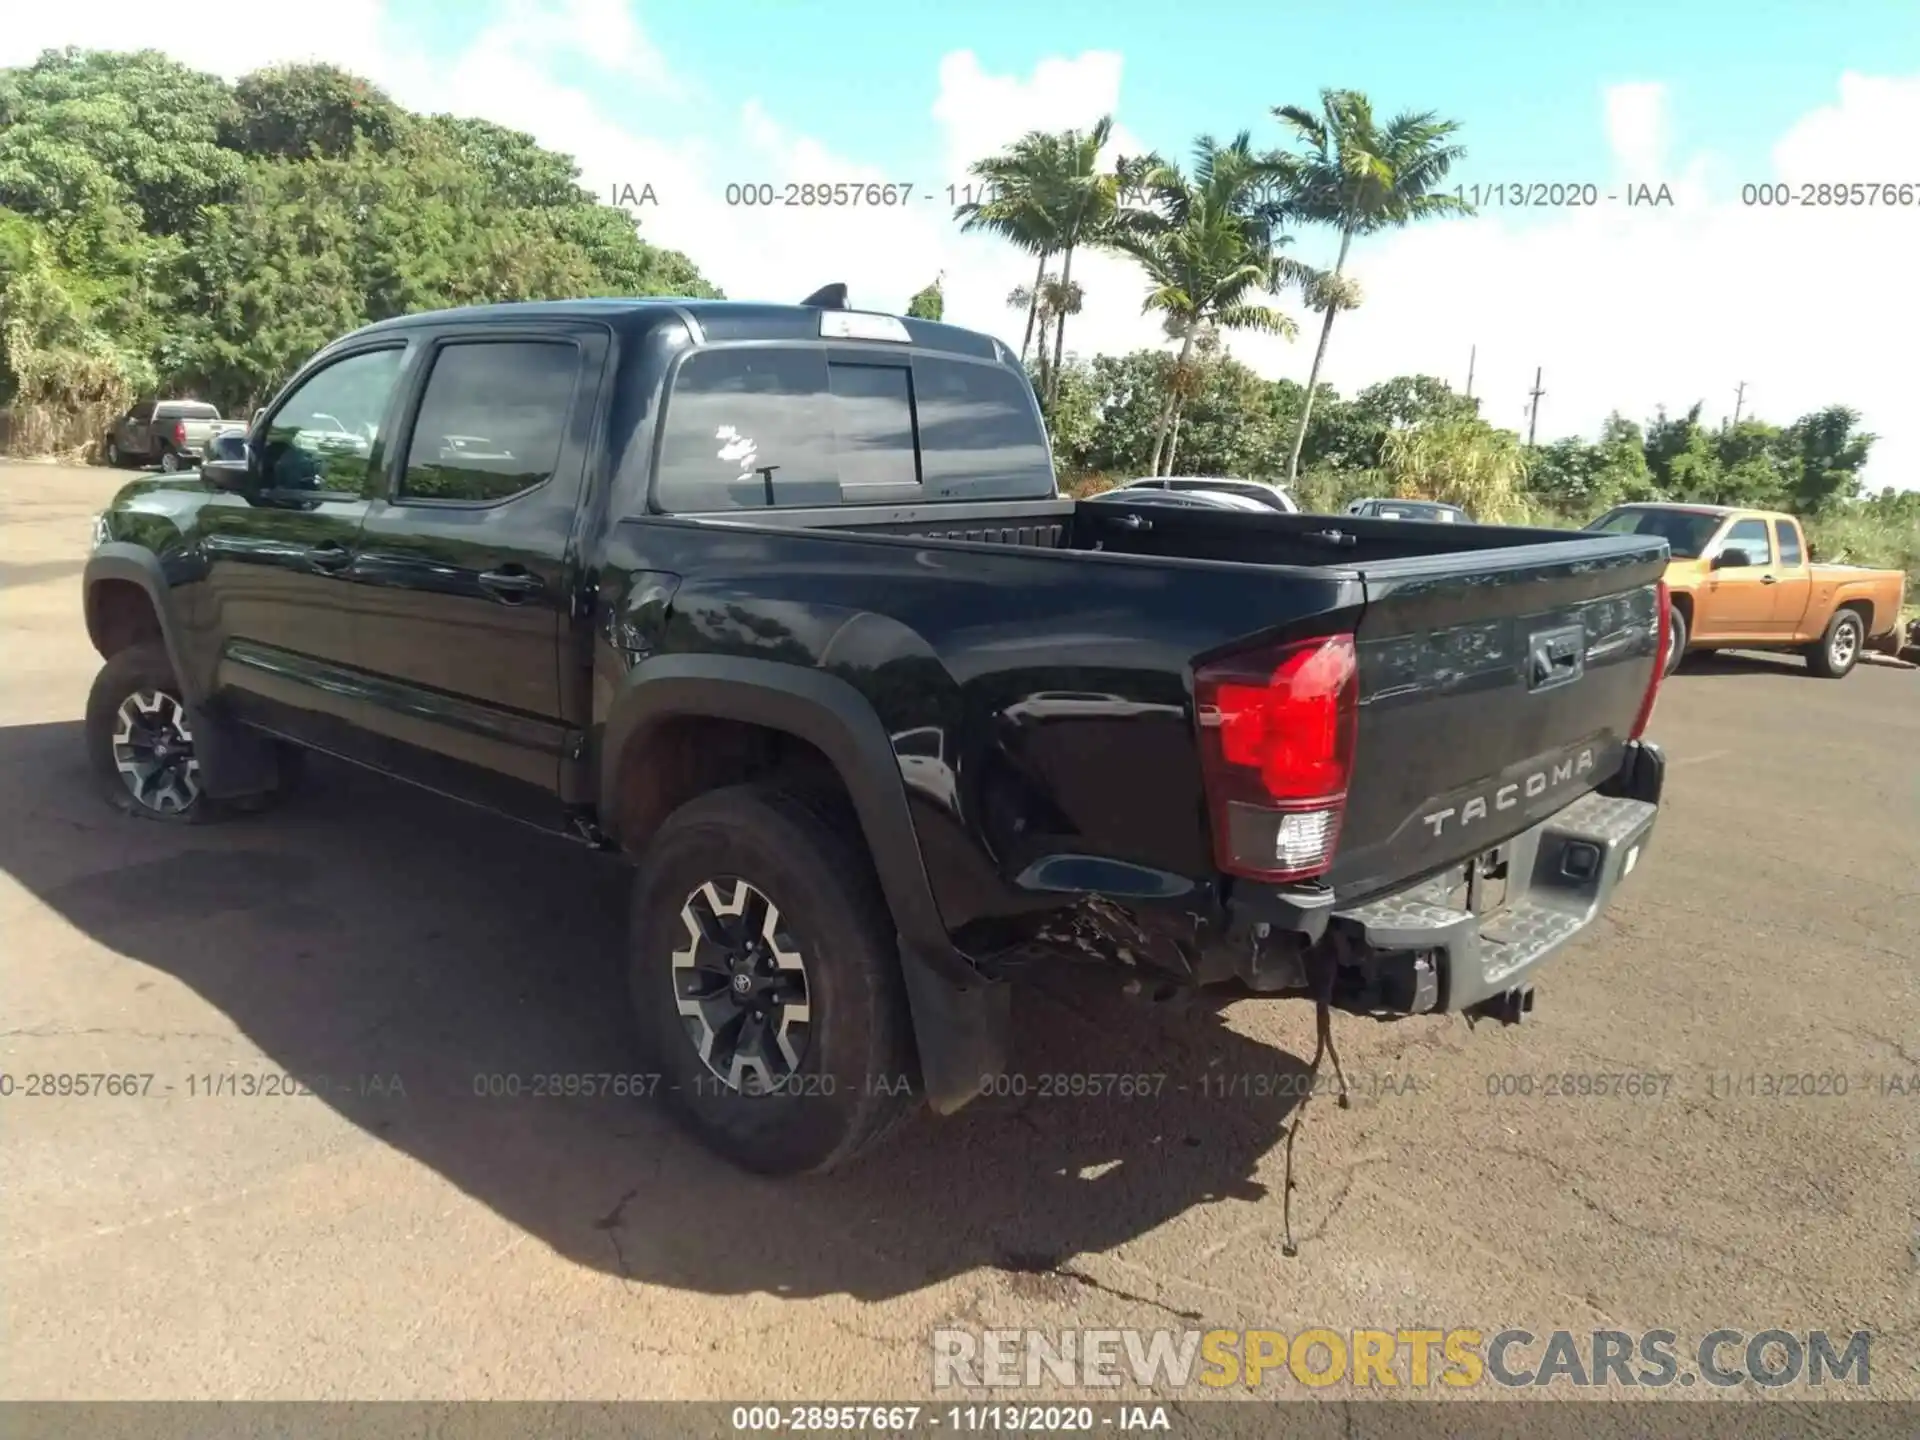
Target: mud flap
{"points": [[960, 1030], [234, 760]]}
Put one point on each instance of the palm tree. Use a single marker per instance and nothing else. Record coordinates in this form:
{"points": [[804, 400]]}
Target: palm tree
{"points": [[1047, 194], [1209, 248], [1060, 297], [1359, 178], [1017, 185], [1186, 384], [1083, 202]]}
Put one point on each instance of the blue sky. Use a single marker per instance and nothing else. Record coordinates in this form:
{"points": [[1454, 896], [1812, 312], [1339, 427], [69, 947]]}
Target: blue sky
{"points": [[1623, 309], [1525, 77]]}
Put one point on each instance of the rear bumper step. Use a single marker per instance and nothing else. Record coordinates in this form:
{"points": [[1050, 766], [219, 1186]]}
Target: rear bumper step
{"points": [[1427, 951]]}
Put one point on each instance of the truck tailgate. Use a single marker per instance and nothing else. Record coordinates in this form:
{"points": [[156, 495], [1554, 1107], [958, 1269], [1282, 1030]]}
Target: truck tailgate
{"points": [[1495, 689]]}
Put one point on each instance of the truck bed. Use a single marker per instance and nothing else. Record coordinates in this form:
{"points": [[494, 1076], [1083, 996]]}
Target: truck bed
{"points": [[1236, 537], [1063, 641]]}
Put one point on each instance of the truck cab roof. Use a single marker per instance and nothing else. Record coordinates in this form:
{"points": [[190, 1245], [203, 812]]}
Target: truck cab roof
{"points": [[715, 321]]}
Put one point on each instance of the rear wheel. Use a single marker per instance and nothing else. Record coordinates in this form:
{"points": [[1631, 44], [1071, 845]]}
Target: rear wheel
{"points": [[170, 461], [1839, 649], [1676, 639], [765, 978]]}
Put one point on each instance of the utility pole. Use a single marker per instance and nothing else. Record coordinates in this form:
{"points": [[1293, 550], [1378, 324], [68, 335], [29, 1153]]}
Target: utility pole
{"points": [[1472, 355], [1533, 410], [1739, 395]]}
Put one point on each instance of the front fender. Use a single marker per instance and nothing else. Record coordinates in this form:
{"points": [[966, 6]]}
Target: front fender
{"points": [[118, 561]]}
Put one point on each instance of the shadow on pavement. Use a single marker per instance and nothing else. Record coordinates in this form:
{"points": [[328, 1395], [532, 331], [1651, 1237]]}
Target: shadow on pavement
{"points": [[367, 931], [1744, 662]]}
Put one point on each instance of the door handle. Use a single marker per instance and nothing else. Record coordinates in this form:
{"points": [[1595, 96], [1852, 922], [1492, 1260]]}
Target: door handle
{"points": [[1769, 580], [509, 586], [330, 557]]}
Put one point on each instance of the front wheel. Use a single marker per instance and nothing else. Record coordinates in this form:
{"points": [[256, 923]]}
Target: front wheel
{"points": [[115, 459], [765, 978], [142, 743], [1839, 649], [1676, 639], [140, 740]]}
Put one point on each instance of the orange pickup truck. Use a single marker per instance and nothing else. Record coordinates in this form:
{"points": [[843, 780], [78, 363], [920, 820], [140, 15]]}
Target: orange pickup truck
{"points": [[1744, 579]]}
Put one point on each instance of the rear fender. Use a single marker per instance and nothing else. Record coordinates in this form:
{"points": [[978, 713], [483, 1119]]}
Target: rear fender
{"points": [[959, 1015]]}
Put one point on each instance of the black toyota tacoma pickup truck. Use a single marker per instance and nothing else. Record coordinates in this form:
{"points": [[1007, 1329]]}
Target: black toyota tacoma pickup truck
{"points": [[783, 601]]}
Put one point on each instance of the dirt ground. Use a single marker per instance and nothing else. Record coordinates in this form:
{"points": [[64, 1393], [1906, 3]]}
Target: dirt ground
{"points": [[400, 1236]]}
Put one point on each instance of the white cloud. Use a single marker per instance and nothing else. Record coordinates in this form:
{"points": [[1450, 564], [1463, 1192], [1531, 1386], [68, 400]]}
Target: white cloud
{"points": [[1631, 307], [1622, 307]]}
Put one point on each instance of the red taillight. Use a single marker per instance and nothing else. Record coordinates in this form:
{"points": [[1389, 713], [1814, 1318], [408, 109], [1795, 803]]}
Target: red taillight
{"points": [[179, 432], [1663, 629], [1276, 748]]}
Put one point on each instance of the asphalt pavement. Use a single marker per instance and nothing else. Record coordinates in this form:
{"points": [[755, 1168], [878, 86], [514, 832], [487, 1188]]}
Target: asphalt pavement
{"points": [[399, 1232]]}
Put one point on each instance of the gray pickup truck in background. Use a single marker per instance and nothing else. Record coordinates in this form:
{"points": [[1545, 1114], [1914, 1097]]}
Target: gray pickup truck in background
{"points": [[173, 434]]}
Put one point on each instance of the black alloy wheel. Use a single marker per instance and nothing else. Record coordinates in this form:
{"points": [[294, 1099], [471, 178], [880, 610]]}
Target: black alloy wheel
{"points": [[740, 986], [153, 752]]}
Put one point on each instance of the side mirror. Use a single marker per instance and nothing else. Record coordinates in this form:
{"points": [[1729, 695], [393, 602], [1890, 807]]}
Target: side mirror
{"points": [[1735, 559], [234, 476]]}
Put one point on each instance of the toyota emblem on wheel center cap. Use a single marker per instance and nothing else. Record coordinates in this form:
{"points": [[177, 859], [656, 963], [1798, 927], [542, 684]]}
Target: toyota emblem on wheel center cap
{"points": [[742, 983]]}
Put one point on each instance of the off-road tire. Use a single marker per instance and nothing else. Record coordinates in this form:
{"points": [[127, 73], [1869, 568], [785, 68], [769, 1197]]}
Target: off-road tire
{"points": [[146, 669], [1839, 648], [857, 1077], [140, 669]]}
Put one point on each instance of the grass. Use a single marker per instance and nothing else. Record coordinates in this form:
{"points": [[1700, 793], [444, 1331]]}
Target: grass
{"points": [[1871, 541]]}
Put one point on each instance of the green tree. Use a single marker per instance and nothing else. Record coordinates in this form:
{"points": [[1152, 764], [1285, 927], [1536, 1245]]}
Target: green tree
{"points": [[1359, 178], [1075, 423], [1210, 251], [1825, 452], [1412, 400], [1083, 203], [167, 230], [298, 112], [82, 128], [1130, 391], [929, 304], [1016, 196]]}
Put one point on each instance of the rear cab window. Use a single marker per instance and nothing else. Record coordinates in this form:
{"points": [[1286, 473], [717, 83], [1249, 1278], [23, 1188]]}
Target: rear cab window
{"points": [[757, 425], [1789, 537]]}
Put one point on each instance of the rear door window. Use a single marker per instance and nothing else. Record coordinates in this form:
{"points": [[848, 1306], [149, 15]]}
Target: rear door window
{"points": [[491, 421]]}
